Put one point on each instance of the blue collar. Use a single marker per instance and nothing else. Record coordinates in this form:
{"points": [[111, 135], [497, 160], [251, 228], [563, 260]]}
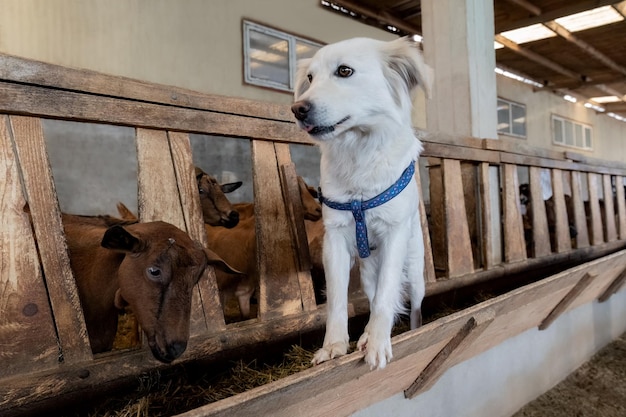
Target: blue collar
{"points": [[358, 206]]}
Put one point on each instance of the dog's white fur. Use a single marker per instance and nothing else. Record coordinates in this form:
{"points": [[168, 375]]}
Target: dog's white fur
{"points": [[362, 124]]}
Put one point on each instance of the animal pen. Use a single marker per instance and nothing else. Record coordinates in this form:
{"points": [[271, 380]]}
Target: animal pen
{"points": [[475, 231]]}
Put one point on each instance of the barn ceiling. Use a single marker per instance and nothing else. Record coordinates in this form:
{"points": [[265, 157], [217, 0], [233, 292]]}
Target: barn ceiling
{"points": [[583, 64]]}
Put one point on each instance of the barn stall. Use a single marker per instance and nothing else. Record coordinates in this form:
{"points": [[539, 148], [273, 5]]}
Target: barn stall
{"points": [[569, 252]]}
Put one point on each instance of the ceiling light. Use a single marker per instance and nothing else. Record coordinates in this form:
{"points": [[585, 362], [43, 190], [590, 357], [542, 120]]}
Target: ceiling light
{"points": [[606, 99], [599, 16], [593, 106], [517, 77], [528, 33], [497, 45], [569, 98]]}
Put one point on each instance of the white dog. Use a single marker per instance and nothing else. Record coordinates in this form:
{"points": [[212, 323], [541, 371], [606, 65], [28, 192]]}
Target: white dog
{"points": [[355, 98]]}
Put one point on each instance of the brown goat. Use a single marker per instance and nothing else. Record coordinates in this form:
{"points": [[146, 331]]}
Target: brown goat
{"points": [[238, 247], [151, 267], [216, 209]]}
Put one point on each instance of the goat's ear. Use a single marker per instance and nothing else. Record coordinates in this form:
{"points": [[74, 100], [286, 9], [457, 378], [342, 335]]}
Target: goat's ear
{"points": [[119, 239], [230, 187], [217, 262], [119, 301], [302, 79], [406, 63], [199, 172]]}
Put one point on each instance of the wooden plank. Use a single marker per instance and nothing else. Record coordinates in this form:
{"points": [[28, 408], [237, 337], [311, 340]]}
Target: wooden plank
{"points": [[474, 326], [429, 266], [541, 236], [613, 287], [621, 207], [279, 292], [595, 228], [46, 217], [469, 178], [295, 212], [610, 231], [27, 333], [34, 100], [437, 216], [517, 147], [563, 241], [345, 385], [580, 219], [510, 158], [514, 243], [206, 299], [561, 307], [459, 245], [485, 189], [440, 150], [35, 72], [158, 197]]}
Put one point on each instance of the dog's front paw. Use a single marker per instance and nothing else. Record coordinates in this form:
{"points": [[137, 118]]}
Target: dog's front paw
{"points": [[330, 352], [377, 350]]}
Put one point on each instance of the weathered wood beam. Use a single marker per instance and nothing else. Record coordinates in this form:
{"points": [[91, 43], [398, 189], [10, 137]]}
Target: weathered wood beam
{"points": [[527, 5], [567, 300], [555, 14], [613, 287], [382, 15], [533, 56], [566, 34], [615, 107], [443, 360]]}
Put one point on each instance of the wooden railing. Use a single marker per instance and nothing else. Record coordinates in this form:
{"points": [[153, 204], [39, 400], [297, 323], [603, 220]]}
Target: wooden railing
{"points": [[477, 232]]}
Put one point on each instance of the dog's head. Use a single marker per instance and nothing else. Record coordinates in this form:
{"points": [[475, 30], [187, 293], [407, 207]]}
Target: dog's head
{"points": [[357, 84]]}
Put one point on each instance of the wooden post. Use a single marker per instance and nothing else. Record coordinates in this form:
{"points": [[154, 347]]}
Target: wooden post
{"points": [[594, 207], [621, 206], [580, 218], [610, 232], [562, 238], [541, 236], [444, 359], [514, 244], [46, 217], [429, 266], [567, 300], [207, 299]]}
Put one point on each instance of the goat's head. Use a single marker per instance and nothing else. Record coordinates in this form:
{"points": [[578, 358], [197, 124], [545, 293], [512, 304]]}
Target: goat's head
{"points": [[312, 207], [161, 266], [216, 209]]}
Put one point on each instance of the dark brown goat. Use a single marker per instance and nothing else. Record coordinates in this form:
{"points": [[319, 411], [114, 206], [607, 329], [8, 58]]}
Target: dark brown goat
{"points": [[216, 209], [151, 267]]}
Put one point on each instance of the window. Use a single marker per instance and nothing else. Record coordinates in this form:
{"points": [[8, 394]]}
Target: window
{"points": [[270, 56], [569, 133], [511, 118]]}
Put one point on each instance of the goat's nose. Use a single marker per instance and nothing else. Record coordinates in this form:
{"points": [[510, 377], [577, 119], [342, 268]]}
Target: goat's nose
{"points": [[301, 109], [175, 349]]}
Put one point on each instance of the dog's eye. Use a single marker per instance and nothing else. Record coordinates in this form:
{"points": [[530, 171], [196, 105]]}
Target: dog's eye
{"points": [[344, 71], [310, 77]]}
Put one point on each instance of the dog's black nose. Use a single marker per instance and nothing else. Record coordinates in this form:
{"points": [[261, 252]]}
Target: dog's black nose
{"points": [[301, 109]]}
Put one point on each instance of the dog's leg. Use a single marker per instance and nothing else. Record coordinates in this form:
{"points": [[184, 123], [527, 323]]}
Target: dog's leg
{"points": [[337, 262], [415, 274], [387, 301]]}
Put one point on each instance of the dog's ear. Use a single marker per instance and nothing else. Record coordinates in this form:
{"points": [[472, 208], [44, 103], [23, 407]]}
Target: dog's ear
{"points": [[302, 80], [406, 64]]}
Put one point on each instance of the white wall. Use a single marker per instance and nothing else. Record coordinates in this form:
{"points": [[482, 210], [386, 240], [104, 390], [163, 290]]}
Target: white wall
{"points": [[500, 381], [609, 135]]}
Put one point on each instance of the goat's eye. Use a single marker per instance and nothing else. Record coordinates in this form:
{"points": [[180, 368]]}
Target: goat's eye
{"points": [[201, 190], [310, 77], [154, 272], [344, 71]]}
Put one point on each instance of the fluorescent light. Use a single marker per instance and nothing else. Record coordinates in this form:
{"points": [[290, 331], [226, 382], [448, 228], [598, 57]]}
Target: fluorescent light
{"points": [[593, 106], [618, 117], [528, 33], [569, 98], [417, 38], [599, 16], [606, 99], [517, 77]]}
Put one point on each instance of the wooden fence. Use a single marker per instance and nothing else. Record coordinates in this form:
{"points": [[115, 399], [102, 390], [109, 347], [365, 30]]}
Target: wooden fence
{"points": [[473, 206]]}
